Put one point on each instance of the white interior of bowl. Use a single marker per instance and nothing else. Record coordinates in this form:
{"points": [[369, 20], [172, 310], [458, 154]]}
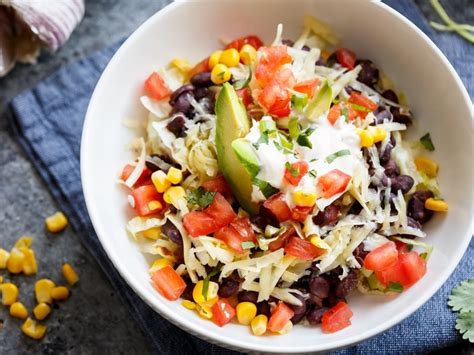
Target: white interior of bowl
{"points": [[191, 30]]}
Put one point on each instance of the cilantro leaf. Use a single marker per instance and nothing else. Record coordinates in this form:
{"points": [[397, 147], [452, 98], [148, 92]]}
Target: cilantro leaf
{"points": [[427, 142], [334, 156], [292, 170], [266, 189], [462, 297], [205, 283], [313, 173], [395, 287], [201, 197], [465, 325], [294, 128]]}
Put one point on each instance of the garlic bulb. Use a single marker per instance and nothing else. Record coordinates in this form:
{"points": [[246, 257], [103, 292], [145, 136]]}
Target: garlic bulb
{"points": [[28, 25]]}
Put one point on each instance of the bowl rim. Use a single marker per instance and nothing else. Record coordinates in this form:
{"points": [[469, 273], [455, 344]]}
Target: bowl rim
{"points": [[186, 323]]}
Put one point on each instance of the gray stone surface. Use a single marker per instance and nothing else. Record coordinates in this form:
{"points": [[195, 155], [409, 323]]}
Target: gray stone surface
{"points": [[93, 320]]}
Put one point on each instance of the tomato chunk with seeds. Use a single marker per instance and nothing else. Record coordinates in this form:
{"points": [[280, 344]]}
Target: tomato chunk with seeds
{"points": [[167, 281], [302, 249], [337, 318], [237, 232], [294, 172], [238, 43], [307, 87], [270, 62], [300, 213], [413, 265], [221, 211], [156, 87], [333, 183], [346, 58], [222, 312], [218, 184], [147, 200], [358, 99], [199, 223], [381, 257], [282, 239], [278, 207], [280, 316]]}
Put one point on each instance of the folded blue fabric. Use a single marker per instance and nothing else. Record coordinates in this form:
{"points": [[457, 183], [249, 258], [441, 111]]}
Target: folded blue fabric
{"points": [[48, 122]]}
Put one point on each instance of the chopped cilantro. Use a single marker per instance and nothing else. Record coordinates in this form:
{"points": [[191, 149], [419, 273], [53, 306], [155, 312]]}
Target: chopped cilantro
{"points": [[395, 287], [334, 156], [360, 108], [313, 173], [285, 142], [345, 113], [292, 170], [266, 189], [200, 197], [205, 283], [427, 142], [281, 148], [298, 100], [294, 128]]}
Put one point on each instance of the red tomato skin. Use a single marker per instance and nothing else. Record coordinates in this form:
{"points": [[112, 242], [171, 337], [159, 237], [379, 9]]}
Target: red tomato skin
{"points": [[334, 114], [346, 58], [401, 247], [333, 182], [143, 178], [413, 266], [199, 223], [238, 43], [393, 273], [167, 281], [142, 196], [218, 184], [280, 109], [307, 87], [361, 100], [245, 96], [244, 228], [280, 316], [300, 213], [282, 239], [278, 207], [156, 87], [301, 167], [302, 249], [271, 60], [381, 257], [200, 67], [222, 312], [337, 318], [221, 211], [231, 237]]}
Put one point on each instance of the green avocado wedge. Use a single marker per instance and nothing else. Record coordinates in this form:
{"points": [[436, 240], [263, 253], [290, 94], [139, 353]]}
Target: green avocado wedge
{"points": [[244, 151], [233, 123]]}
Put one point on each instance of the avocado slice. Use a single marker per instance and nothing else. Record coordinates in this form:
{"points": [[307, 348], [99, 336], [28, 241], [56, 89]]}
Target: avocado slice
{"points": [[244, 151], [320, 103], [233, 123]]}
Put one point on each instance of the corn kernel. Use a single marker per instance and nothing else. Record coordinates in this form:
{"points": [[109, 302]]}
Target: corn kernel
{"points": [[33, 329], [159, 264], [214, 59], [160, 181], [56, 223], [9, 294], [175, 176], [246, 312], [220, 74], [378, 132], [318, 242], [15, 261], [23, 242], [70, 274], [304, 199], [436, 205], [43, 289], [1, 280], [259, 324], [4, 255], [366, 138], [173, 195], [155, 205], [325, 54], [230, 57], [286, 329], [30, 267], [59, 293], [427, 166], [188, 304], [204, 311], [248, 54], [41, 311], [152, 233], [18, 310], [211, 296], [183, 65]]}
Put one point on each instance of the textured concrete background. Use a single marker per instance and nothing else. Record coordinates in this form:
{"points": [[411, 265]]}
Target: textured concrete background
{"points": [[93, 320]]}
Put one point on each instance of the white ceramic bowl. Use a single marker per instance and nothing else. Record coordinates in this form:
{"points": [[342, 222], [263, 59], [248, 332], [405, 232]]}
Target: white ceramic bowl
{"points": [[191, 30]]}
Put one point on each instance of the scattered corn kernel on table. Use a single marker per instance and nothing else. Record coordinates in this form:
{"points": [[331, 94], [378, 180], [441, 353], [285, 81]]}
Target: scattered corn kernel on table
{"points": [[91, 317]]}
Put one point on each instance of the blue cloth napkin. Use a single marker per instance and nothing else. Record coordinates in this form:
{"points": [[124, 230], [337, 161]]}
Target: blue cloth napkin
{"points": [[47, 121]]}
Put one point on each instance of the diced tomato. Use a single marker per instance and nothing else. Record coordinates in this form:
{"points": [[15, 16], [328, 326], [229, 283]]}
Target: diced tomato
{"points": [[167, 281], [245, 96], [392, 273], [346, 58], [334, 114], [358, 99], [221, 211], [401, 247], [238, 43], [280, 109], [381, 257], [282, 239], [142, 197], [300, 213], [275, 96], [156, 87], [296, 171], [218, 184], [236, 233], [143, 179], [302, 249], [337, 318], [244, 228], [280, 316], [222, 312], [200, 67], [270, 62], [278, 207], [307, 87], [333, 182], [413, 265], [199, 223]]}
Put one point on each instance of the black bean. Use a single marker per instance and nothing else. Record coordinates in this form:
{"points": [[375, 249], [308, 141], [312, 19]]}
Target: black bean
{"points": [[391, 168], [170, 230], [200, 93], [387, 152], [268, 216], [382, 114], [188, 291], [369, 74], [416, 206], [305, 48], [332, 299], [349, 89], [319, 287], [398, 117], [202, 79], [264, 308], [183, 103], [315, 300], [288, 42], [321, 62], [360, 254], [181, 90], [228, 287], [390, 95], [402, 182], [299, 310], [326, 217], [247, 296], [346, 285], [315, 315], [356, 208], [177, 126], [332, 59]]}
